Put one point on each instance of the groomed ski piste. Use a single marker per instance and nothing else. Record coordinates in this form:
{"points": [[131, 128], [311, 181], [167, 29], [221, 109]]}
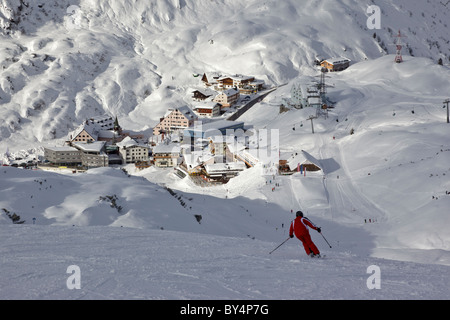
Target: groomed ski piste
{"points": [[214, 242], [126, 263]]}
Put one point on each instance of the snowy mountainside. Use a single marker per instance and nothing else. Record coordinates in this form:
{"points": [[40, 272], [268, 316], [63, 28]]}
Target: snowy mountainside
{"points": [[63, 61]]}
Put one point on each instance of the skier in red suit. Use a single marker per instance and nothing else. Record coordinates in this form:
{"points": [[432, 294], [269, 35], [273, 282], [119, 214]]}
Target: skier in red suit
{"points": [[299, 227]]}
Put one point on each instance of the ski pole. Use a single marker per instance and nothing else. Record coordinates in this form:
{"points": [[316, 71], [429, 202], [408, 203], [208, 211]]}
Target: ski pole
{"points": [[279, 245], [325, 239]]}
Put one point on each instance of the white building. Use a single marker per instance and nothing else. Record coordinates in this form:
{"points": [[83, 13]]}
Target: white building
{"points": [[64, 155], [87, 154], [93, 129], [208, 109], [93, 154], [130, 151], [305, 94], [104, 122], [224, 170], [228, 97], [167, 155]]}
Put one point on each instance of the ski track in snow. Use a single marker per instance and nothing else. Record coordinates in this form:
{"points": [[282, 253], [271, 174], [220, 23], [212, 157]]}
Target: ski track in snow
{"points": [[347, 194]]}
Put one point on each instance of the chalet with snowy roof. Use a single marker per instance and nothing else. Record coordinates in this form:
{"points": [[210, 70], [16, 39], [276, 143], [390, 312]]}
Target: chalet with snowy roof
{"points": [[208, 109], [244, 84], [194, 161], [175, 120], [167, 155], [202, 94], [298, 162], [335, 64], [132, 152], [86, 132], [209, 79], [103, 128], [252, 87], [224, 83], [236, 81], [228, 97]]}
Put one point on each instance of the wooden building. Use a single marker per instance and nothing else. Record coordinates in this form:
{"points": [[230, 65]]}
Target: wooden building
{"points": [[335, 64], [207, 109], [210, 78], [236, 81], [298, 162], [202, 95]]}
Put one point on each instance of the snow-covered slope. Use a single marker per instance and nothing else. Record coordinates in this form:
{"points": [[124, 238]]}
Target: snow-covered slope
{"points": [[394, 168], [109, 197], [125, 263], [63, 61], [182, 241]]}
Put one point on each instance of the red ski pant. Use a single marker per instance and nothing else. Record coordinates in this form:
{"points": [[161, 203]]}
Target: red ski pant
{"points": [[308, 244]]}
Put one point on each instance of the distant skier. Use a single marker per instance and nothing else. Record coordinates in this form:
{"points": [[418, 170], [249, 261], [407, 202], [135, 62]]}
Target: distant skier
{"points": [[299, 227]]}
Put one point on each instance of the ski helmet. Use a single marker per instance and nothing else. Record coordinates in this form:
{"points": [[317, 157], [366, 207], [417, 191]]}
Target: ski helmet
{"points": [[299, 214]]}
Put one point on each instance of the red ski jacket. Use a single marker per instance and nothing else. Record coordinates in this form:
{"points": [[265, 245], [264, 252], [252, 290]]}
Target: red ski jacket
{"points": [[300, 226]]}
